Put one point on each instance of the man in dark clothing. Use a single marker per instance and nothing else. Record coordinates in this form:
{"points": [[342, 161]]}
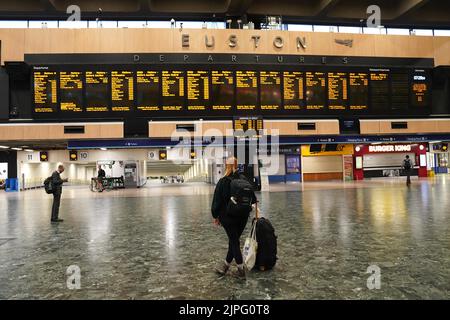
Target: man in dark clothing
{"points": [[234, 226], [100, 176], [407, 166], [57, 183]]}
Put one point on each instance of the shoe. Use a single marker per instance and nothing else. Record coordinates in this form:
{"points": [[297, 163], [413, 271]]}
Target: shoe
{"points": [[223, 268], [57, 220], [240, 273]]}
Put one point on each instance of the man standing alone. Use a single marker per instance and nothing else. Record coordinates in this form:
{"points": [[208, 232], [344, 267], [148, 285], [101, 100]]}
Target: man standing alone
{"points": [[407, 167], [57, 183]]}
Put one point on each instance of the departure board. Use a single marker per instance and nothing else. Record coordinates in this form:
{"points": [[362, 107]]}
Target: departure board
{"points": [[358, 91], [379, 90], [122, 91], [270, 90], [294, 90], [222, 90], [248, 123], [337, 91], [71, 91], [45, 91], [172, 90], [420, 89], [197, 90], [147, 90], [315, 90], [399, 91], [246, 90], [97, 91]]}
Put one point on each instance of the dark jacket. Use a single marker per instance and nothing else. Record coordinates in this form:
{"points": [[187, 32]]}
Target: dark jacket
{"points": [[222, 195], [57, 182], [101, 173]]}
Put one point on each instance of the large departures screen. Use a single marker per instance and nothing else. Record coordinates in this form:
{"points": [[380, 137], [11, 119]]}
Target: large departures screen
{"points": [[97, 91], [197, 90], [222, 91], [122, 91], [315, 90], [293, 90], [147, 90], [45, 91], [71, 91], [173, 96], [200, 91], [246, 90]]}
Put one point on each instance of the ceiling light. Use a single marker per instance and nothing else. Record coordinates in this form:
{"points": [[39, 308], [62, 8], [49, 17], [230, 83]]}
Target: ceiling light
{"points": [[4, 147], [17, 149], [103, 149], [29, 150]]}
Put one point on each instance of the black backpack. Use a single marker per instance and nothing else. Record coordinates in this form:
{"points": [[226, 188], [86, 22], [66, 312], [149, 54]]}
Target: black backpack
{"points": [[266, 255], [48, 185], [407, 164], [241, 196]]}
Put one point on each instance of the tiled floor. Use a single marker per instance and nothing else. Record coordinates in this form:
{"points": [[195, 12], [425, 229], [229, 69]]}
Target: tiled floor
{"points": [[159, 243]]}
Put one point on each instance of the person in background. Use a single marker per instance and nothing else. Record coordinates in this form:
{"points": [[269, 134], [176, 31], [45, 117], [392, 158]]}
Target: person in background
{"points": [[234, 226], [407, 166], [100, 176], [57, 183]]}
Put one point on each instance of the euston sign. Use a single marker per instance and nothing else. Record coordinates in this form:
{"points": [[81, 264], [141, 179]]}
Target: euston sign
{"points": [[390, 148], [232, 41]]}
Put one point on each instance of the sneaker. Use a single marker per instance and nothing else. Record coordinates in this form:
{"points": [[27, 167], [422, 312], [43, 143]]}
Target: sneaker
{"points": [[57, 220], [222, 269]]}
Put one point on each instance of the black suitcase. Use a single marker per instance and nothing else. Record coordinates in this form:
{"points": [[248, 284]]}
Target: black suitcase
{"points": [[266, 255]]}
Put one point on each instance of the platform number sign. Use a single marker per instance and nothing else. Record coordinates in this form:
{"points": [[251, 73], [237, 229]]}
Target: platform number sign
{"points": [[84, 156], [73, 155], [162, 155], [43, 156]]}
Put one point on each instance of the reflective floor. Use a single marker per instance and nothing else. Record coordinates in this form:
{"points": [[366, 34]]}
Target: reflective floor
{"points": [[159, 243]]}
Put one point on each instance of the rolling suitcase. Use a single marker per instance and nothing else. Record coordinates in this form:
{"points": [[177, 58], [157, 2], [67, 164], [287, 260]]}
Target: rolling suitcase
{"points": [[266, 255]]}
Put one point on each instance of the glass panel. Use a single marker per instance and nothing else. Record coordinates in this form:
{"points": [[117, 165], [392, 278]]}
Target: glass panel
{"points": [[14, 24], [43, 24], [380, 30], [73, 24], [396, 31], [350, 30], [442, 33], [300, 27]]}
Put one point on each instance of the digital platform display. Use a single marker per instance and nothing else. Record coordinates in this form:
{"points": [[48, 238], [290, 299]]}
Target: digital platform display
{"points": [[400, 91], [197, 90], [315, 90], [379, 90], [420, 89], [97, 91], [270, 90], [45, 91], [147, 90], [337, 91], [222, 90], [358, 91], [173, 96], [246, 90], [294, 90], [122, 91], [71, 91]]}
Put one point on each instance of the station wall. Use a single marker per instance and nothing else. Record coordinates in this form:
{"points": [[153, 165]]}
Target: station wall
{"points": [[17, 42]]}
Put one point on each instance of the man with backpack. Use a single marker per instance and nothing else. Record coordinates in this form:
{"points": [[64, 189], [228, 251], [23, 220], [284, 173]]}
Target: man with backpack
{"points": [[407, 166], [57, 183]]}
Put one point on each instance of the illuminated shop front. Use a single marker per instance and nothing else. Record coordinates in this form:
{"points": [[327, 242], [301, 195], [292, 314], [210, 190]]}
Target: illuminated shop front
{"points": [[386, 160]]}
